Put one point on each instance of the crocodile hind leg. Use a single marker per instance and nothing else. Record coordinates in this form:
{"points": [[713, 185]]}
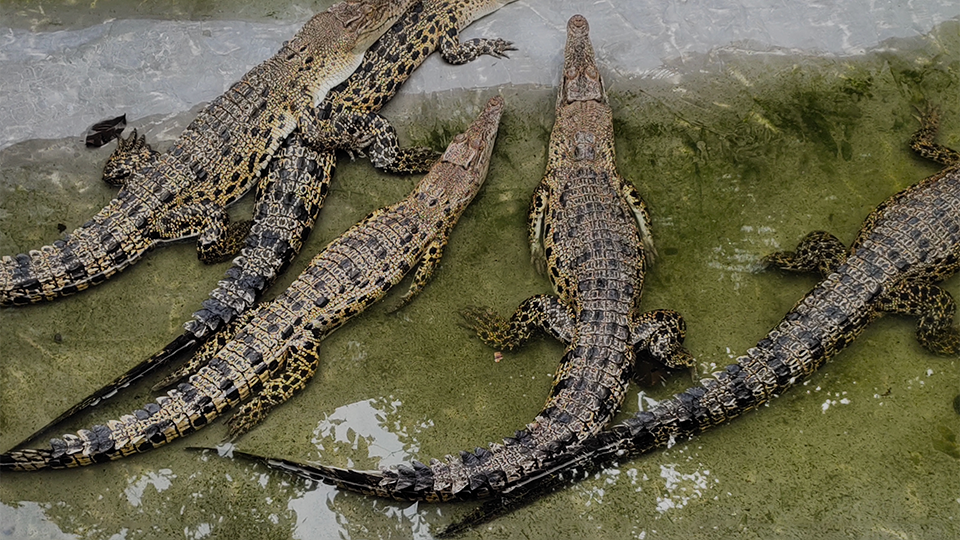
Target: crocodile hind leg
{"points": [[818, 251], [658, 335], [219, 245], [219, 239], [639, 208], [923, 140], [935, 309], [299, 364], [369, 133], [132, 153], [288, 202], [541, 313]]}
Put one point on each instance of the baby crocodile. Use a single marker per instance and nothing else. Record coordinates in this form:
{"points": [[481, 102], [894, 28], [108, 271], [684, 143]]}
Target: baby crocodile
{"points": [[590, 226], [184, 191], [291, 194], [273, 350], [905, 246]]}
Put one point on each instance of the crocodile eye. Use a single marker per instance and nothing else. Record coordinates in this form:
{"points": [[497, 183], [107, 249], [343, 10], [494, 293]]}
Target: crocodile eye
{"points": [[571, 73], [460, 138], [592, 72]]}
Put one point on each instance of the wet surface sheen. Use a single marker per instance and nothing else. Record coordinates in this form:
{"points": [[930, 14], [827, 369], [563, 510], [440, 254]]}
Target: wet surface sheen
{"points": [[735, 154]]}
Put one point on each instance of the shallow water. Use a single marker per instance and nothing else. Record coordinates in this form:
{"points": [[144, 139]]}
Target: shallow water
{"points": [[736, 152]]}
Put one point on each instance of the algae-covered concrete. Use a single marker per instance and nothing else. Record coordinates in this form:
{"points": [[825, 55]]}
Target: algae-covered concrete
{"points": [[736, 153]]}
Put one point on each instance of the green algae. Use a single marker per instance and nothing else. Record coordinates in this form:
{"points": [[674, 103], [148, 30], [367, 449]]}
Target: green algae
{"points": [[736, 156]]}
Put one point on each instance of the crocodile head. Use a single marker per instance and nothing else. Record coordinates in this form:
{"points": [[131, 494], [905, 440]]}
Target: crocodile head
{"points": [[453, 182], [367, 20], [471, 149], [581, 79]]}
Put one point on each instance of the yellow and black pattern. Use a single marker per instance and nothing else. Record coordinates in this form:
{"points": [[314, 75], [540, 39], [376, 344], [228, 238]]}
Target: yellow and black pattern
{"points": [[183, 192], [906, 246], [265, 359], [348, 118], [291, 193], [590, 230]]}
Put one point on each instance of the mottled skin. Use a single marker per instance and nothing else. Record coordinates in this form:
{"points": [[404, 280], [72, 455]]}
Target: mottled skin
{"points": [[273, 350], [291, 194], [183, 192], [590, 227], [905, 246]]}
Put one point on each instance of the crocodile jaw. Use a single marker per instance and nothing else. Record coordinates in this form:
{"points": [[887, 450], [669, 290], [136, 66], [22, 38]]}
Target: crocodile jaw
{"points": [[342, 74]]}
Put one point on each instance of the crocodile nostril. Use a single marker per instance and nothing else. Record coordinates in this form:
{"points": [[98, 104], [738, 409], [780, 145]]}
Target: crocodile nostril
{"points": [[578, 23]]}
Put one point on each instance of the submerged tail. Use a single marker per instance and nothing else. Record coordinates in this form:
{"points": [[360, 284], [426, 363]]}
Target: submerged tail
{"points": [[113, 240]]}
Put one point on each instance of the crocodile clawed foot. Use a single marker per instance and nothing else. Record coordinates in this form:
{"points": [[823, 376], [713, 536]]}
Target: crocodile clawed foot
{"points": [[768, 261], [943, 343], [499, 48], [928, 116], [489, 326]]}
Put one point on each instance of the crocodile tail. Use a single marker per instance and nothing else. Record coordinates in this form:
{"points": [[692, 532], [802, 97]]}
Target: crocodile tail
{"points": [[519, 467], [405, 483], [181, 412], [184, 344], [101, 247], [287, 207], [360, 481]]}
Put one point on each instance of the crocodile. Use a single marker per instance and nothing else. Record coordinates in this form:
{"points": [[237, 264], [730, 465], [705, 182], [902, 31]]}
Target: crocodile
{"points": [[291, 194], [183, 192], [907, 245], [272, 352], [588, 229]]}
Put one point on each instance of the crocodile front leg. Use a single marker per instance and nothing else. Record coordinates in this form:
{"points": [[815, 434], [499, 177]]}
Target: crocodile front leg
{"points": [[541, 313], [427, 264], [132, 154], [639, 208], [456, 52], [818, 251], [218, 238], [368, 133], [923, 142], [535, 228]]}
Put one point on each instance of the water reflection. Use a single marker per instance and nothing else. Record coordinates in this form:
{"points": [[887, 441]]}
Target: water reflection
{"points": [[374, 424]]}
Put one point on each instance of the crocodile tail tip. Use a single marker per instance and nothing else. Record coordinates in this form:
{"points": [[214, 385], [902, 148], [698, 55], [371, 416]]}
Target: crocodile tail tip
{"points": [[364, 481]]}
